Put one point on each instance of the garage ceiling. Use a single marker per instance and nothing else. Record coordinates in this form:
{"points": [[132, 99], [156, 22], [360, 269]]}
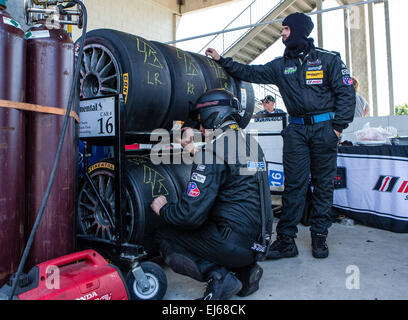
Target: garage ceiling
{"points": [[186, 6]]}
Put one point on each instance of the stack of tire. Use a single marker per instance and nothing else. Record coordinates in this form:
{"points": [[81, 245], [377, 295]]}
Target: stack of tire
{"points": [[158, 81]]}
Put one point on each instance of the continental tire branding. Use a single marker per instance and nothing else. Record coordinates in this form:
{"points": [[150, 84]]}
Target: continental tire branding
{"points": [[101, 165]]}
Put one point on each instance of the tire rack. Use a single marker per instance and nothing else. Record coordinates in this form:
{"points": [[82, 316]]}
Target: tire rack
{"points": [[125, 255]]}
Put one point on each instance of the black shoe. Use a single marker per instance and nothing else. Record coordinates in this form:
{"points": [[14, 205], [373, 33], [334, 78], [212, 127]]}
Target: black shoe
{"points": [[221, 287], [250, 277], [282, 247], [319, 246]]}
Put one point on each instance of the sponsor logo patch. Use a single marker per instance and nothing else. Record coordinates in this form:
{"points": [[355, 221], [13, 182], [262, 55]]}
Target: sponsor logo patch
{"points": [[258, 247], [315, 68], [290, 70], [347, 81], [192, 190], [201, 167], [252, 165], [345, 72], [198, 177], [314, 63], [313, 82], [314, 74]]}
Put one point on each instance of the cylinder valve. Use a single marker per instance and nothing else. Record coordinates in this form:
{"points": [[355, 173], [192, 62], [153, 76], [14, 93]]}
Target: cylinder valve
{"points": [[54, 12]]}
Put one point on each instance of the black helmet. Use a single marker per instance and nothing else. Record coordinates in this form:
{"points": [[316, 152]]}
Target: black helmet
{"points": [[215, 107]]}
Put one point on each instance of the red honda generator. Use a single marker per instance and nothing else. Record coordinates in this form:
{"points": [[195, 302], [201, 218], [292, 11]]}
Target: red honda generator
{"points": [[83, 275]]}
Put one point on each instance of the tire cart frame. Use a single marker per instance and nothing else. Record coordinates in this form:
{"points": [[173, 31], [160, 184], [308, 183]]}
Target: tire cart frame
{"points": [[125, 255]]}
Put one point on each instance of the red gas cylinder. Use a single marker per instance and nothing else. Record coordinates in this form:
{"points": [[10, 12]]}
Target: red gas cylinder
{"points": [[50, 70], [12, 143]]}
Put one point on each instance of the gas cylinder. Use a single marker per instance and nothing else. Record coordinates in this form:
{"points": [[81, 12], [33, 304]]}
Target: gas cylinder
{"points": [[12, 143], [50, 71]]}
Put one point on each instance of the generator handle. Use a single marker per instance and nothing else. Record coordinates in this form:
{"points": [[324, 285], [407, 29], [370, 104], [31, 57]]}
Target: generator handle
{"points": [[90, 256]]}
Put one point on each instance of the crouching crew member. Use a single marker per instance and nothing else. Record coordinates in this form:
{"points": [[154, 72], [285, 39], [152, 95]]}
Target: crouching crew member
{"points": [[222, 223]]}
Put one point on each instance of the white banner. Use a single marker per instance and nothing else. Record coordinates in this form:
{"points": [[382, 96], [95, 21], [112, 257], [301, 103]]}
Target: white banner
{"points": [[375, 185]]}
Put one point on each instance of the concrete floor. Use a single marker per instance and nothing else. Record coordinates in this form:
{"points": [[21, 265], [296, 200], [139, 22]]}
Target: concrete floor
{"points": [[364, 264]]}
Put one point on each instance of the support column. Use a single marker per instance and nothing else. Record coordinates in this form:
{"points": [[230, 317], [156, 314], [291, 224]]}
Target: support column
{"points": [[347, 38], [176, 21], [319, 25], [359, 57], [389, 57], [374, 99]]}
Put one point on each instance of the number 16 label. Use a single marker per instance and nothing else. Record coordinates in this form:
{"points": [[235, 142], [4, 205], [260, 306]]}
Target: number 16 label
{"points": [[97, 118]]}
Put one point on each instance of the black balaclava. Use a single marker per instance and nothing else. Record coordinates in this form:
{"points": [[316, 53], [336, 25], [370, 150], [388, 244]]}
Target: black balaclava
{"points": [[300, 26]]}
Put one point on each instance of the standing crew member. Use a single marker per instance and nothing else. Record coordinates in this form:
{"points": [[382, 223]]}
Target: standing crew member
{"points": [[209, 233], [318, 93]]}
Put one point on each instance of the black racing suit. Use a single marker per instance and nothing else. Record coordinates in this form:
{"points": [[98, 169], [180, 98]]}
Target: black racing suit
{"points": [[313, 84], [218, 217]]}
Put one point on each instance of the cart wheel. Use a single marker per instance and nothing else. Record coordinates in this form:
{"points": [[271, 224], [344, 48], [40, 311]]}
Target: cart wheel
{"points": [[157, 279]]}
